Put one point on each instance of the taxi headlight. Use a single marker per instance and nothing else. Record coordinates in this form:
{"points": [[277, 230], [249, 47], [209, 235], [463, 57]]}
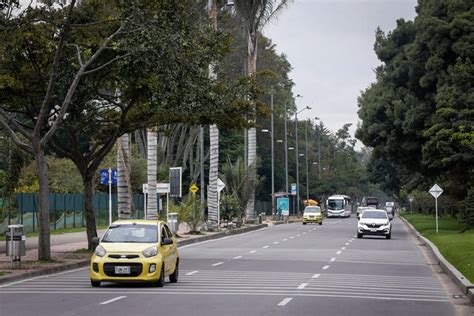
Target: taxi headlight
{"points": [[99, 251], [150, 252]]}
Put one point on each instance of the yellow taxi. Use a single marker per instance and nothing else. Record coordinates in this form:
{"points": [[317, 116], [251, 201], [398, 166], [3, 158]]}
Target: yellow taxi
{"points": [[135, 250], [312, 214]]}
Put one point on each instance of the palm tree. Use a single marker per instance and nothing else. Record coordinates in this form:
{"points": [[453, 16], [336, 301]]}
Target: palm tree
{"points": [[255, 14], [124, 187], [212, 196]]}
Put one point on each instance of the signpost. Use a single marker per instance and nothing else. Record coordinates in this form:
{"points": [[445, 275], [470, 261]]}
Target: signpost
{"points": [[145, 192], [220, 187], [411, 205], [436, 191], [109, 177], [293, 192], [193, 188]]}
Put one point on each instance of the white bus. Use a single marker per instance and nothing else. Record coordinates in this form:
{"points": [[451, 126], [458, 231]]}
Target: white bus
{"points": [[339, 206]]}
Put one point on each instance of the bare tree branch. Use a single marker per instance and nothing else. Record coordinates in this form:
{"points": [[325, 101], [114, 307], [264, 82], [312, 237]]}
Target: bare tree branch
{"points": [[15, 138], [106, 64], [15, 124], [79, 58]]}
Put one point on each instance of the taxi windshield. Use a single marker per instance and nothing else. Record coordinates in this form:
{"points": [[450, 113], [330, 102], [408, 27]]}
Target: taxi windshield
{"points": [[133, 233], [312, 209]]}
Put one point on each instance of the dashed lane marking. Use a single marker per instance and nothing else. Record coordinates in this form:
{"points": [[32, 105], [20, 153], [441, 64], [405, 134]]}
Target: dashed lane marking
{"points": [[315, 276], [265, 247], [238, 257], [276, 243], [339, 252], [113, 300], [325, 267], [285, 239], [253, 251], [332, 259], [192, 272], [301, 286], [285, 301], [343, 248], [217, 264]]}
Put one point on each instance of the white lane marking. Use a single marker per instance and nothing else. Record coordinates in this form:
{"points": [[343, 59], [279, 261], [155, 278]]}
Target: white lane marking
{"points": [[315, 276], [238, 257], [355, 236], [332, 259], [112, 300], [347, 244], [253, 251], [217, 239], [217, 264], [338, 253], [285, 239], [325, 267], [292, 237], [285, 301], [265, 247], [301, 286], [343, 248], [304, 233], [276, 243], [192, 272], [298, 235], [42, 277]]}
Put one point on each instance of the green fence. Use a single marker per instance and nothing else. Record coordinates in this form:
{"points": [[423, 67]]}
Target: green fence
{"points": [[66, 210]]}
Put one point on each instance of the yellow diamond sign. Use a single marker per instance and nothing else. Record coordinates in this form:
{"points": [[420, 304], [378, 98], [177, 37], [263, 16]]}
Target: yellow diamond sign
{"points": [[194, 188]]}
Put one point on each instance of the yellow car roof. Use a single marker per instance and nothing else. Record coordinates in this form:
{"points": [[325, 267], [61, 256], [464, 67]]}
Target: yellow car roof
{"points": [[138, 221]]}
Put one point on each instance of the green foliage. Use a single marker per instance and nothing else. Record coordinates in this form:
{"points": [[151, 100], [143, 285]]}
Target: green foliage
{"points": [[418, 115], [468, 213], [189, 212], [230, 207]]}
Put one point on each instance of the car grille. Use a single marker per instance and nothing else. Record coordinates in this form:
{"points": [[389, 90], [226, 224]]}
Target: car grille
{"points": [[373, 225], [124, 256], [135, 269]]}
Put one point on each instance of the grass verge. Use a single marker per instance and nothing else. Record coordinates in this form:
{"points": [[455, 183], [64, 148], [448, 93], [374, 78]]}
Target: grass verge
{"points": [[456, 247]]}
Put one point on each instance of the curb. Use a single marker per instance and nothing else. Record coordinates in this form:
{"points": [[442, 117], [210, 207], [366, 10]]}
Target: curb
{"points": [[83, 263], [461, 281]]}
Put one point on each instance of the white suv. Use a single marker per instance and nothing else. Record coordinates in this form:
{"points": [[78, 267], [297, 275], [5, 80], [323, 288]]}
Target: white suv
{"points": [[374, 222]]}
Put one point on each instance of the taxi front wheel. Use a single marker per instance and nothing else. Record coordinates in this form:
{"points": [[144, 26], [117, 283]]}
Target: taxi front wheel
{"points": [[174, 276], [95, 283], [161, 281]]}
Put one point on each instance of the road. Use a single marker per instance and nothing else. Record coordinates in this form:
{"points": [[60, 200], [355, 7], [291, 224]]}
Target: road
{"points": [[281, 270]]}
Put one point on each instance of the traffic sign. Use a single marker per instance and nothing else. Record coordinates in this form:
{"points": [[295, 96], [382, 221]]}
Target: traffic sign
{"points": [[194, 188], [220, 185], [436, 191], [104, 176], [293, 189]]}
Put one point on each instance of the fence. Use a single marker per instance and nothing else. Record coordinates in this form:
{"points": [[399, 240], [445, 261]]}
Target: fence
{"points": [[66, 210]]}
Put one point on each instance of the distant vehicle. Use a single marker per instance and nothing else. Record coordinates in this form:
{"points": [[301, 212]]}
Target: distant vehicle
{"points": [[374, 222], [312, 214], [135, 250], [361, 209], [370, 202], [390, 208], [339, 206]]}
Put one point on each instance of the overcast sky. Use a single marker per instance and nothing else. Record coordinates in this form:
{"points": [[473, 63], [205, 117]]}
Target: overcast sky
{"points": [[329, 44]]}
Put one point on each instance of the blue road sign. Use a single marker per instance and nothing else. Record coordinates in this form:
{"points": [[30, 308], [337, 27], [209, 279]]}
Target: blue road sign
{"points": [[293, 189], [283, 206], [104, 176]]}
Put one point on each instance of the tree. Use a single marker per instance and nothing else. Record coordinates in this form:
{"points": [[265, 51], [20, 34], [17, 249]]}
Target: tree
{"points": [[28, 33], [255, 15]]}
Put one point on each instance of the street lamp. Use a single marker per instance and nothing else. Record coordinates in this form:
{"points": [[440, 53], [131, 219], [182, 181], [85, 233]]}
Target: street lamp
{"points": [[306, 153], [318, 131], [297, 163]]}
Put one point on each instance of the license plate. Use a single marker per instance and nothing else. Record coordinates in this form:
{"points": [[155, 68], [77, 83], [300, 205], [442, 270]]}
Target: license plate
{"points": [[373, 230], [122, 270]]}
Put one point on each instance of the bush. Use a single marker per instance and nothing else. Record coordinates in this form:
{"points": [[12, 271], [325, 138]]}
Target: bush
{"points": [[189, 212]]}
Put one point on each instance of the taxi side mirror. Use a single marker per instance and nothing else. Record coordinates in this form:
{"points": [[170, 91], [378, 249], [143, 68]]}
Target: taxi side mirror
{"points": [[95, 241], [167, 241]]}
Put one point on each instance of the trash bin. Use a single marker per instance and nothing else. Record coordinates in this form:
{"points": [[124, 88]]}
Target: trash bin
{"points": [[173, 222], [15, 242]]}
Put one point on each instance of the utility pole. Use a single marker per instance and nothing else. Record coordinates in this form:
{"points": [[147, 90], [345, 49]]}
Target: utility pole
{"points": [[286, 151], [306, 154], [273, 156]]}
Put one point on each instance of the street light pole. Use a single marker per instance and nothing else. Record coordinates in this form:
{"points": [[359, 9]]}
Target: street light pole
{"points": [[273, 156], [306, 153], [297, 161], [286, 151], [318, 133]]}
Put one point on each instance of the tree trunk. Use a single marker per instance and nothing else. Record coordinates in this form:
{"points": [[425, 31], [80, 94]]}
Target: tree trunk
{"points": [[124, 190], [252, 132], [44, 241], [88, 183], [152, 144]]}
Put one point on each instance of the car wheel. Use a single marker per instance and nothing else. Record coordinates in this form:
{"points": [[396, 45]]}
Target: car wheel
{"points": [[174, 276], [359, 235], [304, 223], [389, 236], [95, 283], [320, 223], [161, 281]]}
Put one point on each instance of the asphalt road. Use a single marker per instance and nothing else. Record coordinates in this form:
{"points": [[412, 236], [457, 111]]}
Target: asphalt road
{"points": [[282, 270]]}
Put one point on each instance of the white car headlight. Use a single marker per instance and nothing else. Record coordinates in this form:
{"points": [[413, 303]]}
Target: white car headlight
{"points": [[100, 251], [150, 252]]}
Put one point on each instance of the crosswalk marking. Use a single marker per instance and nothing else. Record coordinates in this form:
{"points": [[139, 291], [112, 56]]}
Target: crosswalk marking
{"points": [[285, 301]]}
